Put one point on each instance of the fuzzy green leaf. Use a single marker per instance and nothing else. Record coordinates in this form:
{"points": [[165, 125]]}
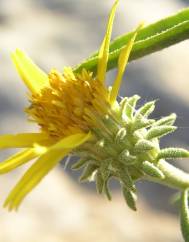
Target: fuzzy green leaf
{"points": [[152, 38], [130, 198], [143, 146], [123, 103], [125, 158], [120, 136], [170, 153], [151, 170], [169, 120], [157, 132], [99, 182], [130, 106], [107, 191], [80, 163], [126, 179], [145, 110], [104, 168], [142, 123], [88, 172]]}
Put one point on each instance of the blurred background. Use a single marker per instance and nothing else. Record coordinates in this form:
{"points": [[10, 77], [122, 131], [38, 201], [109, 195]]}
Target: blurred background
{"points": [[56, 33]]}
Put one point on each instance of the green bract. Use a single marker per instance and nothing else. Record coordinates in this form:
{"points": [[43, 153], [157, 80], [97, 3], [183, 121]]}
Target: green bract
{"points": [[127, 149]]}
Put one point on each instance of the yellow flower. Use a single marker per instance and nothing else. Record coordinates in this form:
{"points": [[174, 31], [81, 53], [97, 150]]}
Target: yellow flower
{"points": [[70, 110]]}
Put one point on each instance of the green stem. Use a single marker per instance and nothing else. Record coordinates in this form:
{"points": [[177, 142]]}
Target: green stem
{"points": [[150, 39], [174, 177]]}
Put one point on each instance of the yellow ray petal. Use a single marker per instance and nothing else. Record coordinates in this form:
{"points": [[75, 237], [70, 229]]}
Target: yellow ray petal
{"points": [[104, 49], [42, 166], [72, 141], [34, 78], [17, 159], [122, 62], [21, 140], [33, 176]]}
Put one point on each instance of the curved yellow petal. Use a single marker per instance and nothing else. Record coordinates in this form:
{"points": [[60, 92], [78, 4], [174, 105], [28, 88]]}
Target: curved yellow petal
{"points": [[33, 176], [122, 62], [21, 140], [42, 166], [34, 78], [104, 49], [17, 159], [72, 141]]}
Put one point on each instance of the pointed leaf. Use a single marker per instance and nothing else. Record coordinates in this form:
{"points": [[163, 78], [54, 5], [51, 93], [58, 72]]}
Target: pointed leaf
{"points": [[142, 123], [170, 153], [130, 198], [120, 136], [145, 110], [126, 179], [125, 158], [130, 106], [151, 170], [169, 120], [143, 145], [80, 163], [99, 182], [107, 191], [123, 104], [88, 172], [157, 132]]}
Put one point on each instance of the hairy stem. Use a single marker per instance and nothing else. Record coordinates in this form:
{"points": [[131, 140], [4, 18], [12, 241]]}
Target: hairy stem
{"points": [[174, 177]]}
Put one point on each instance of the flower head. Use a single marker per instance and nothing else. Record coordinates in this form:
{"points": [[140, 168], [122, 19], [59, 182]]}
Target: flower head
{"points": [[79, 115], [67, 108]]}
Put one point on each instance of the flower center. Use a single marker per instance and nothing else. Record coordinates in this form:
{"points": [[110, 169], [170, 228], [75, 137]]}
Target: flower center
{"points": [[71, 103]]}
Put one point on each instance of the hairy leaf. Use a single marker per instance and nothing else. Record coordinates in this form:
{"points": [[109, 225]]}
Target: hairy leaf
{"points": [[152, 38]]}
